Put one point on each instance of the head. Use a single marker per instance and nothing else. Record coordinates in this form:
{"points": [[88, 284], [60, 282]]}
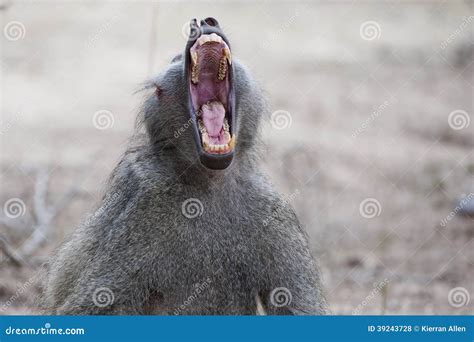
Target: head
{"points": [[205, 106]]}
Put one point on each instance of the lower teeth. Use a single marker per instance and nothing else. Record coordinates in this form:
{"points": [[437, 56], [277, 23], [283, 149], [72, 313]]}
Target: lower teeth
{"points": [[216, 147]]}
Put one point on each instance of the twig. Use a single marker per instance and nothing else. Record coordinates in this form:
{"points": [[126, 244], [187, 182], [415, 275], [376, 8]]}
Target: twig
{"points": [[43, 214], [10, 253]]}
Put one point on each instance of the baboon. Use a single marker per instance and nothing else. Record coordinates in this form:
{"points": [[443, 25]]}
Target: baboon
{"points": [[189, 224]]}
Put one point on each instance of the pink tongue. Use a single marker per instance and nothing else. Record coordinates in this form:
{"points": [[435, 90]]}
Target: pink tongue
{"points": [[213, 118]]}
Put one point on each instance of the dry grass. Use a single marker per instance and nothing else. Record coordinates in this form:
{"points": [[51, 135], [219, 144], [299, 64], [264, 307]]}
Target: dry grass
{"points": [[79, 58]]}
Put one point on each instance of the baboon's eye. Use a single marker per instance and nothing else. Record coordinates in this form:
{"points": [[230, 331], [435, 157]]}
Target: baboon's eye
{"points": [[158, 90]]}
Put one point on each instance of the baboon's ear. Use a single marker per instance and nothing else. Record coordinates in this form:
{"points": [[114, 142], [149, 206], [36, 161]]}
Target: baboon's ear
{"points": [[193, 28], [177, 58], [210, 21]]}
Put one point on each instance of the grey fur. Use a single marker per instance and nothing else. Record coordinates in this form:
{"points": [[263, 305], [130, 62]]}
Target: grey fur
{"points": [[149, 258]]}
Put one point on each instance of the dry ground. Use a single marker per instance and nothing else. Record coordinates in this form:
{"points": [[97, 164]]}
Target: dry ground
{"points": [[369, 120]]}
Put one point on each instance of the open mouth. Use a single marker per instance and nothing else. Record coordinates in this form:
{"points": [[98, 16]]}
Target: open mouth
{"points": [[209, 74]]}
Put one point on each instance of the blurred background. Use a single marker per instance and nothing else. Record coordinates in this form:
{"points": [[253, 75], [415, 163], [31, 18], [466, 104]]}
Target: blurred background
{"points": [[371, 135]]}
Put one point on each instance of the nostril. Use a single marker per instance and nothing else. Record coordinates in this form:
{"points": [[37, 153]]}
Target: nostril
{"points": [[210, 21]]}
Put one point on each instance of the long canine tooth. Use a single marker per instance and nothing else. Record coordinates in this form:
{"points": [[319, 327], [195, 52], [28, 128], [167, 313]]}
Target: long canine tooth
{"points": [[228, 55], [205, 140], [232, 142], [194, 57]]}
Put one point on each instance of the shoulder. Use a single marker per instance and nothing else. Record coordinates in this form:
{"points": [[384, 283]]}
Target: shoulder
{"points": [[138, 169], [275, 209]]}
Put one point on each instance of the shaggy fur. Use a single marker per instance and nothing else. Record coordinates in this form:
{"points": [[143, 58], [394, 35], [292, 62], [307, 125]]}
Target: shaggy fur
{"points": [[150, 258]]}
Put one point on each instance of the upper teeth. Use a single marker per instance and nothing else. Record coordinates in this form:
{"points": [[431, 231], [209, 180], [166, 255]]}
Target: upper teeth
{"points": [[226, 56], [194, 56], [207, 38]]}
